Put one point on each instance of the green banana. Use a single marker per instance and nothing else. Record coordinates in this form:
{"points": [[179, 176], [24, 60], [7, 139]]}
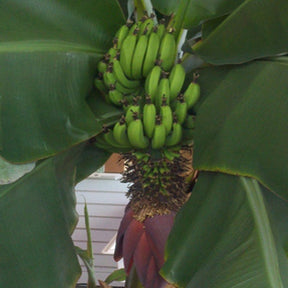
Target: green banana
{"points": [[116, 97], [138, 56], [151, 53], [166, 116], [171, 155], [127, 52], [175, 137], [176, 80], [134, 108], [102, 66], [147, 26], [110, 140], [161, 29], [149, 116], [121, 77], [120, 132], [109, 77], [152, 82], [181, 109], [167, 51], [163, 91], [122, 33], [189, 121], [135, 133], [125, 90], [100, 85], [112, 52], [159, 135], [134, 30], [192, 93]]}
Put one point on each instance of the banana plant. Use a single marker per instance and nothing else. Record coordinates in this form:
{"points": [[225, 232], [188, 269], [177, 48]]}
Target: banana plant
{"points": [[232, 231]]}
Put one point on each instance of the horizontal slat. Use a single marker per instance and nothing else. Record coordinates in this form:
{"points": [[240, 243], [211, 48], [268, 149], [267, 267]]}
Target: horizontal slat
{"points": [[101, 198], [101, 185], [100, 223], [96, 235], [103, 210]]}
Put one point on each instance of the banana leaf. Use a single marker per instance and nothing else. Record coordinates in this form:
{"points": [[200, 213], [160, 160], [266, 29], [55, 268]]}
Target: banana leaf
{"points": [[227, 236], [48, 56]]}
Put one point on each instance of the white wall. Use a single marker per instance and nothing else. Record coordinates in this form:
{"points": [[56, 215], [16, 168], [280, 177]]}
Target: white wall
{"points": [[106, 201]]}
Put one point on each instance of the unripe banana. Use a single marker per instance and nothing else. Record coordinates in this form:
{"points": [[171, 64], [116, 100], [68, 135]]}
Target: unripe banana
{"points": [[100, 85], [108, 77], [181, 109], [146, 27], [124, 90], [112, 52], [151, 53], [149, 117], [189, 122], [159, 135], [192, 93], [167, 51], [176, 80], [138, 56], [121, 77], [120, 132], [134, 29], [134, 108], [122, 33], [152, 82], [116, 97], [135, 133], [166, 116], [170, 155], [127, 52], [163, 91], [110, 140], [102, 66], [161, 29], [175, 137]]}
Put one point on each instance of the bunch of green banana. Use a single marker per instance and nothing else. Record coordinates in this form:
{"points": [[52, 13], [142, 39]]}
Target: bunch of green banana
{"points": [[139, 75]]}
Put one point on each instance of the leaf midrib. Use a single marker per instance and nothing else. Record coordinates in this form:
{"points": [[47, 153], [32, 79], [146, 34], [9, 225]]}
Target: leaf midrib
{"points": [[46, 46], [262, 223]]}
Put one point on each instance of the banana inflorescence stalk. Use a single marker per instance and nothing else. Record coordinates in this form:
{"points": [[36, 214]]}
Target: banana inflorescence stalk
{"points": [[142, 78]]}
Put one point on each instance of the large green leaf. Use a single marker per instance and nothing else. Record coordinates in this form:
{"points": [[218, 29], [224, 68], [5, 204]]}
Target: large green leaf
{"points": [[11, 172], [256, 29], [48, 56], [69, 21], [37, 218], [198, 11], [242, 123], [225, 237]]}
